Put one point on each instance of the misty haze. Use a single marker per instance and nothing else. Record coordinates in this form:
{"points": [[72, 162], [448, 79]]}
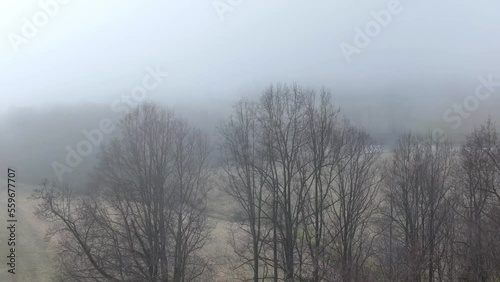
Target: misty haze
{"points": [[234, 140]]}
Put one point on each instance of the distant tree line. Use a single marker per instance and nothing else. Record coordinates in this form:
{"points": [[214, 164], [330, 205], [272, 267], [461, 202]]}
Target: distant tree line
{"points": [[316, 200]]}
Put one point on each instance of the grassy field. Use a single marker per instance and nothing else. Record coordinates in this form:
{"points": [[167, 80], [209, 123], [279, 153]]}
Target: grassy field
{"points": [[34, 260]]}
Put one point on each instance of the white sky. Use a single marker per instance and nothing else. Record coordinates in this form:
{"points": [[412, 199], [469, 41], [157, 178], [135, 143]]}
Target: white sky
{"points": [[96, 50]]}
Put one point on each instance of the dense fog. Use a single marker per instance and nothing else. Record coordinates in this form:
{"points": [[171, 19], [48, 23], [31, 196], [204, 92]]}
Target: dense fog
{"points": [[65, 78], [233, 140]]}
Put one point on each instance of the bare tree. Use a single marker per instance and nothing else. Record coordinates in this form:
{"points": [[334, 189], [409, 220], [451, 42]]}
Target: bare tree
{"points": [[418, 206], [143, 218], [282, 120], [477, 235], [302, 180], [244, 183], [324, 150], [353, 203], [190, 228]]}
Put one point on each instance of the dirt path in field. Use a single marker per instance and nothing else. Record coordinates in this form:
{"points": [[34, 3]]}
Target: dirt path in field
{"points": [[34, 261]]}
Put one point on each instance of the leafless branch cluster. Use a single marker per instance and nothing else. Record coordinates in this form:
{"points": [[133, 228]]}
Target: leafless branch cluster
{"points": [[316, 199], [143, 218], [306, 183]]}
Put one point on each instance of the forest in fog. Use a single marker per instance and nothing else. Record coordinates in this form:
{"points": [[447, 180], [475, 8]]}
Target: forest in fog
{"points": [[233, 140], [314, 198]]}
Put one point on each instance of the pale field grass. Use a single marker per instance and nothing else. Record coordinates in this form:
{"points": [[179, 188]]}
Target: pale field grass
{"points": [[34, 259]]}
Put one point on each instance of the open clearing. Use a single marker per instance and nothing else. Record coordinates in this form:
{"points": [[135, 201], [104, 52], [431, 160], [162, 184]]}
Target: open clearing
{"points": [[34, 260]]}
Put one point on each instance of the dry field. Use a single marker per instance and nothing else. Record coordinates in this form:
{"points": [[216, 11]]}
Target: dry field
{"points": [[36, 261]]}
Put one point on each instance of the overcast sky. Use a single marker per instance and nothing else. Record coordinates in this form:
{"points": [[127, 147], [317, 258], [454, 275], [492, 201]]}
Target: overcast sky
{"points": [[95, 51]]}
